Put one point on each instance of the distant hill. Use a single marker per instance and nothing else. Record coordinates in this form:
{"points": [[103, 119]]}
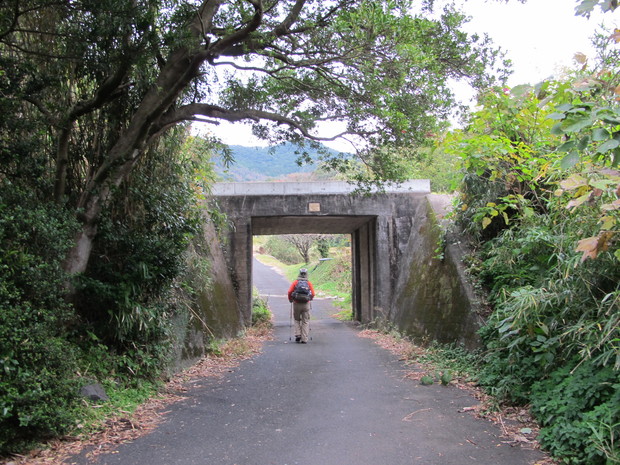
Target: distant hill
{"points": [[262, 163]]}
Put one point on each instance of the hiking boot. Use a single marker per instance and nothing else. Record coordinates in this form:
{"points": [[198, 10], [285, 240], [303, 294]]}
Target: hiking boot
{"points": [[304, 342]]}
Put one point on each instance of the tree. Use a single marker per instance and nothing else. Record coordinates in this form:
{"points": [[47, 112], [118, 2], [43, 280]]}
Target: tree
{"points": [[585, 7], [105, 79], [303, 243]]}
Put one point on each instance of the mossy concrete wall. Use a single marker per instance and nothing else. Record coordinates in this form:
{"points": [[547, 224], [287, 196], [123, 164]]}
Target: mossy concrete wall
{"points": [[396, 275], [433, 297], [213, 313]]}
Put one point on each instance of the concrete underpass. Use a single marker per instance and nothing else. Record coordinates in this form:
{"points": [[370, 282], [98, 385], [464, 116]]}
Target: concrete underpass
{"points": [[380, 224]]}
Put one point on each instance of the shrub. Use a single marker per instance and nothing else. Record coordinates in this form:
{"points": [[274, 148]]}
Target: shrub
{"points": [[541, 202], [38, 387], [578, 407], [322, 247], [125, 295], [282, 250], [260, 310]]}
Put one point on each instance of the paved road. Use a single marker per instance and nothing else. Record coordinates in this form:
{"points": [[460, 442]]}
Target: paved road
{"points": [[338, 400]]}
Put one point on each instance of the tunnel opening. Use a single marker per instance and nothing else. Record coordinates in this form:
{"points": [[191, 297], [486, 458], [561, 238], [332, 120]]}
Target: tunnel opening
{"points": [[361, 233], [326, 257]]}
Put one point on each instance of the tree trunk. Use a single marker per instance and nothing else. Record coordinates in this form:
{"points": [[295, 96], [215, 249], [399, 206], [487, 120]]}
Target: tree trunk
{"points": [[173, 79]]}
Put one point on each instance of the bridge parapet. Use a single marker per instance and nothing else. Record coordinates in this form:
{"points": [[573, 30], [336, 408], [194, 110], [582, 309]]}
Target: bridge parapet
{"points": [[414, 186]]}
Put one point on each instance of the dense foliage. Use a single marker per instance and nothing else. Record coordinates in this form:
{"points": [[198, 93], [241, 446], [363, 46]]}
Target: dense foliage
{"points": [[38, 385], [102, 81], [541, 199], [125, 296], [282, 250], [118, 327]]}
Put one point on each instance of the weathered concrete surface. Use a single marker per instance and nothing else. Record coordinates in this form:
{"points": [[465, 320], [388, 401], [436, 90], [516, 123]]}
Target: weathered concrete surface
{"points": [[414, 186], [378, 225], [214, 312], [339, 400], [394, 237], [434, 300]]}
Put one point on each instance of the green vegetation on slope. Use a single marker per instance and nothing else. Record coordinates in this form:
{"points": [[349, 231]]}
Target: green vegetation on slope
{"points": [[541, 200], [264, 163], [117, 331]]}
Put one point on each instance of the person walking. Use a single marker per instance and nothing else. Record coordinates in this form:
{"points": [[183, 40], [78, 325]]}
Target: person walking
{"points": [[300, 294]]}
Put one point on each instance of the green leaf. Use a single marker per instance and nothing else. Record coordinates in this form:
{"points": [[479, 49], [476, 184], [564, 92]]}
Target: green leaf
{"points": [[426, 380], [570, 160], [608, 145], [557, 116], [583, 143], [600, 134], [612, 121], [566, 146], [564, 107], [557, 130], [576, 124], [521, 90], [602, 183]]}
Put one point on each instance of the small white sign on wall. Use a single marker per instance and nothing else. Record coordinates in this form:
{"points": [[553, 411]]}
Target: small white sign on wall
{"points": [[314, 207]]}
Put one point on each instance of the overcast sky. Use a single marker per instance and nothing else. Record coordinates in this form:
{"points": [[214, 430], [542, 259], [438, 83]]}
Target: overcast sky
{"points": [[540, 37]]}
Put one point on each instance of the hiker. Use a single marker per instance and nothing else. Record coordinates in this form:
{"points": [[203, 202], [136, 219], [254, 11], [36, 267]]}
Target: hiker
{"points": [[300, 294]]}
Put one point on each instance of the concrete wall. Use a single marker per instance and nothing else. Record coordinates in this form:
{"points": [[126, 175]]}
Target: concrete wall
{"points": [[413, 186], [214, 312], [394, 239], [376, 224], [433, 299]]}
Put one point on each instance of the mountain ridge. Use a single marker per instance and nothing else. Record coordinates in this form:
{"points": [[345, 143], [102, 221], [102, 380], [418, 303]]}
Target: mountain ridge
{"points": [[266, 163]]}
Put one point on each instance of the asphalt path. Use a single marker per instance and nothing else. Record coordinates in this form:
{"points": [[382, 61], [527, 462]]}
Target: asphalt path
{"points": [[338, 400]]}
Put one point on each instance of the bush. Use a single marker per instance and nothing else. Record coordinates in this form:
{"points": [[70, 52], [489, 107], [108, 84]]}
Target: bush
{"points": [[260, 311], [282, 250], [578, 407], [322, 247], [125, 295], [38, 388], [541, 202]]}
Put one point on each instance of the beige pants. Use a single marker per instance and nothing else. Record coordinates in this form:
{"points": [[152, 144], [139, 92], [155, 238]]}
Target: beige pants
{"points": [[301, 315]]}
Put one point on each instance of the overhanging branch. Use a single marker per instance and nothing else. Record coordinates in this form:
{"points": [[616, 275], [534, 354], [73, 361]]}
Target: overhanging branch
{"points": [[191, 111], [243, 33]]}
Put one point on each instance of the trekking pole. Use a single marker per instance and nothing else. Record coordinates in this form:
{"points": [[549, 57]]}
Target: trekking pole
{"points": [[309, 325], [290, 325]]}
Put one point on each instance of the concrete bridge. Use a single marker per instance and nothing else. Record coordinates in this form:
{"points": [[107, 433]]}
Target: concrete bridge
{"points": [[394, 233]]}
